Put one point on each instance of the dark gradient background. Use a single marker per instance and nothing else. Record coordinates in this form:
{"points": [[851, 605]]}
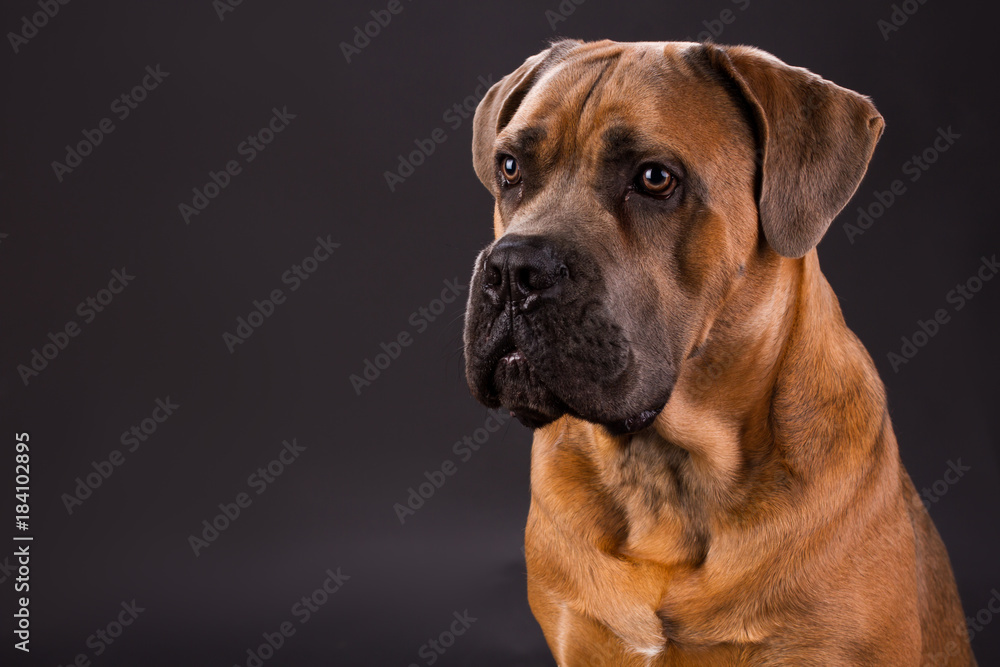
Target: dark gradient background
{"points": [[324, 175]]}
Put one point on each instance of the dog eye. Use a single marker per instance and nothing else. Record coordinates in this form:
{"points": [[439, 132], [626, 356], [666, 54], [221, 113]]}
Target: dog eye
{"points": [[655, 180], [510, 170]]}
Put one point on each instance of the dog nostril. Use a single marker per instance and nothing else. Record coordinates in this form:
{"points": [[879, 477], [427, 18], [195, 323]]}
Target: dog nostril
{"points": [[492, 276], [531, 279], [527, 278], [519, 270]]}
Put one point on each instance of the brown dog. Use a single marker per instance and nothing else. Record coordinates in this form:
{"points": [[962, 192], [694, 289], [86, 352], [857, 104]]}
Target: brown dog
{"points": [[715, 479]]}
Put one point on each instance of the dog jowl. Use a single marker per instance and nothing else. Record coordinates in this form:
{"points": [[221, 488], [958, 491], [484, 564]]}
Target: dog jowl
{"points": [[715, 479]]}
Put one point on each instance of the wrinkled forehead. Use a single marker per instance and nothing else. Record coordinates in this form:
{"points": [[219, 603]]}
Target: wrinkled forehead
{"points": [[608, 99]]}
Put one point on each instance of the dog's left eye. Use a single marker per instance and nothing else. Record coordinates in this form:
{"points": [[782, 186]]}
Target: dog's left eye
{"points": [[510, 170], [655, 180]]}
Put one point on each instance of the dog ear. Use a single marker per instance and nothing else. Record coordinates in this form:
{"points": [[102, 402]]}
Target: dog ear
{"points": [[500, 104], [814, 142]]}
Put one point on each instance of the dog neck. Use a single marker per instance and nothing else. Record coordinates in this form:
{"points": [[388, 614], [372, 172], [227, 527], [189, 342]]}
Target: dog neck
{"points": [[747, 427], [775, 426], [756, 397]]}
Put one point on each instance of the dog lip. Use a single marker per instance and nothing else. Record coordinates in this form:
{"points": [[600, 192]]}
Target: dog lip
{"points": [[638, 421], [633, 424], [505, 359], [513, 357], [530, 418]]}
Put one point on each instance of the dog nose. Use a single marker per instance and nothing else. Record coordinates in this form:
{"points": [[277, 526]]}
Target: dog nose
{"points": [[523, 271]]}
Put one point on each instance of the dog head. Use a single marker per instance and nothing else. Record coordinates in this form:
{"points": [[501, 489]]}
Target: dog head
{"points": [[635, 183]]}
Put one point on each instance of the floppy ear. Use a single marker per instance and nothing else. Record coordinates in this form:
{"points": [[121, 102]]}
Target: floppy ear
{"points": [[501, 103], [815, 140]]}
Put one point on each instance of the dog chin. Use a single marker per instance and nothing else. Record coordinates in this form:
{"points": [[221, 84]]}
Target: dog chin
{"points": [[517, 388], [534, 419]]}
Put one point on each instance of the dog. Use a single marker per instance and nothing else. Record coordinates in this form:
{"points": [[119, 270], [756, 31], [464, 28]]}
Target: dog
{"points": [[714, 474]]}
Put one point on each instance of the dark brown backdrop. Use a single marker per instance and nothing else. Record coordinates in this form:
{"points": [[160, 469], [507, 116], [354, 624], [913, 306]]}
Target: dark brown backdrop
{"points": [[401, 249]]}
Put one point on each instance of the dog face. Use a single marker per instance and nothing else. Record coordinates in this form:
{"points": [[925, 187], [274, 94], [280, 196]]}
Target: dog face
{"points": [[635, 184]]}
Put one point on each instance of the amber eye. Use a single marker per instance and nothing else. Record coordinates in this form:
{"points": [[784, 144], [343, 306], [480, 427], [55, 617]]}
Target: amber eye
{"points": [[656, 180], [510, 170]]}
